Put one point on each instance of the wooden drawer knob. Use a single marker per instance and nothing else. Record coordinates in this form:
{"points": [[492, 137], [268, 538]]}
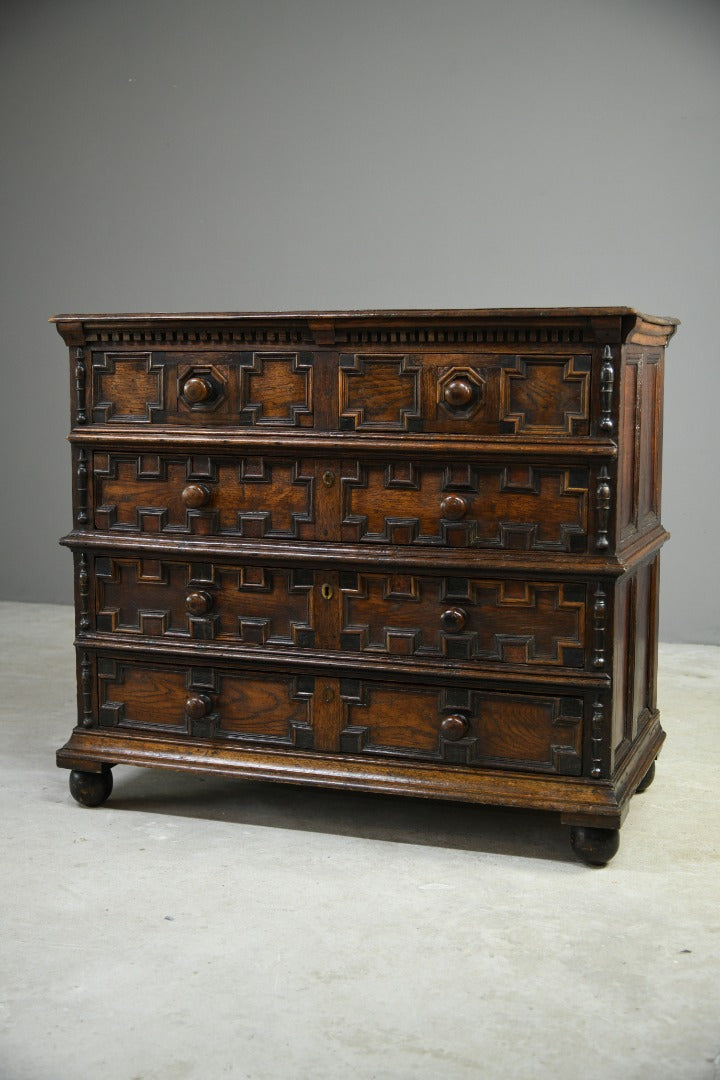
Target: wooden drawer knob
{"points": [[454, 507], [458, 393], [197, 706], [198, 389], [453, 620], [195, 495], [198, 603], [454, 727]]}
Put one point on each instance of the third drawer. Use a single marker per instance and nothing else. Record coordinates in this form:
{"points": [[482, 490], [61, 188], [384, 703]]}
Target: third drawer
{"points": [[498, 620]]}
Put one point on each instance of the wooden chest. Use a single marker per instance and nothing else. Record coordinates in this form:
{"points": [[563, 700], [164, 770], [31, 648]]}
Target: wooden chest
{"points": [[402, 551]]}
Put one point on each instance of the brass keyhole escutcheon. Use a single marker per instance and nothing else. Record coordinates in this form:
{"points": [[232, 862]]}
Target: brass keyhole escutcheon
{"points": [[326, 591], [328, 478]]}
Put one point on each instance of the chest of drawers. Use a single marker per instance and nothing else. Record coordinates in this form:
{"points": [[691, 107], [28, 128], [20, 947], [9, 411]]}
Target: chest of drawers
{"points": [[402, 551]]}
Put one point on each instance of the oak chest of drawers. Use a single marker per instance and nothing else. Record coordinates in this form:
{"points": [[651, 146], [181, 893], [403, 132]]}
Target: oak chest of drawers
{"points": [[402, 551]]}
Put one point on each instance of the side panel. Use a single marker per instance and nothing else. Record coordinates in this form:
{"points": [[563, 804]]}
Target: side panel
{"points": [[640, 438], [635, 663]]}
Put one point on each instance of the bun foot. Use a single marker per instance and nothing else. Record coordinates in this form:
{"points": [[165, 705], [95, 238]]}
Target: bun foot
{"points": [[595, 847], [646, 780], [90, 788]]}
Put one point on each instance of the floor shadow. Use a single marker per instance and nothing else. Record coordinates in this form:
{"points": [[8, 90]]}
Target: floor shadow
{"points": [[368, 816]]}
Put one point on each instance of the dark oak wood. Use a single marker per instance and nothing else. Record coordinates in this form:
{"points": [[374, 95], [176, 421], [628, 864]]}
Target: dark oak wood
{"points": [[411, 551]]}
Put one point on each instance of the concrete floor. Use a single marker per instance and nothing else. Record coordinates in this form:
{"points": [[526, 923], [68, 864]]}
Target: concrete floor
{"points": [[203, 928]]}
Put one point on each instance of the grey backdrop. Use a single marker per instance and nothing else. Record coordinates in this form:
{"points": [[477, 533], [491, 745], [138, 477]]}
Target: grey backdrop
{"points": [[174, 155]]}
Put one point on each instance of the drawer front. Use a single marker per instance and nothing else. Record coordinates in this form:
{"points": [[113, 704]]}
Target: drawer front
{"points": [[456, 725], [540, 733], [443, 391], [523, 506], [204, 496], [502, 507], [202, 702], [499, 621], [466, 393], [502, 621], [264, 389]]}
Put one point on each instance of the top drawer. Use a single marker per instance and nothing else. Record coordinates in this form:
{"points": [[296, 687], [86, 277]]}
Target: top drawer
{"points": [[465, 393]]}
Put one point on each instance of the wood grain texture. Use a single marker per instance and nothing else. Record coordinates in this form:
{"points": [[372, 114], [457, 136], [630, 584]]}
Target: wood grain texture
{"points": [[202, 702], [640, 421], [251, 497], [526, 622], [505, 730], [521, 506], [252, 605]]}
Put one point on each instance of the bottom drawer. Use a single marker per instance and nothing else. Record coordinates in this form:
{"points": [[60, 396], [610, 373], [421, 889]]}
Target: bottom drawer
{"points": [[449, 723]]}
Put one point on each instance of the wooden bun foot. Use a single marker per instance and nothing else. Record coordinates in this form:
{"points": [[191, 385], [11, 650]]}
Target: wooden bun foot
{"points": [[646, 780], [595, 847], [89, 788]]}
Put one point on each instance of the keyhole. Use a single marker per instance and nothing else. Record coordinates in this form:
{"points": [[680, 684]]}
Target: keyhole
{"points": [[326, 591], [328, 478]]}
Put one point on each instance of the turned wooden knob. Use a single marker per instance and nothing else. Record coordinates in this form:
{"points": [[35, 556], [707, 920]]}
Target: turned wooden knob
{"points": [[454, 507], [454, 727], [453, 620], [198, 706], [195, 496], [198, 389], [198, 603], [459, 392]]}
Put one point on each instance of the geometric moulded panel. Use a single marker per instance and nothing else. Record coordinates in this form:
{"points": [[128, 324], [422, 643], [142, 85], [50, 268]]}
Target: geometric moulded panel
{"points": [[545, 396], [379, 393], [276, 389], [127, 387]]}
